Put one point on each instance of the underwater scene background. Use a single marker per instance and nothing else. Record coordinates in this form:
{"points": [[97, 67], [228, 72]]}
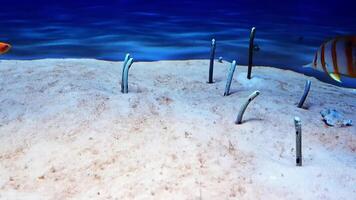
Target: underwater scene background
{"points": [[287, 32]]}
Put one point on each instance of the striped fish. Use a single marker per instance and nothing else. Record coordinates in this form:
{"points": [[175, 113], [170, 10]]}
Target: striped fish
{"points": [[4, 47], [337, 58]]}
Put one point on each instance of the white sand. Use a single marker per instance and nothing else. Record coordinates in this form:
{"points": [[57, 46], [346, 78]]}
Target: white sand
{"points": [[66, 132]]}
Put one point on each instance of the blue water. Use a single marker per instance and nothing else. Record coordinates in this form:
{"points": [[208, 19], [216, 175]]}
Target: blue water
{"points": [[288, 33]]}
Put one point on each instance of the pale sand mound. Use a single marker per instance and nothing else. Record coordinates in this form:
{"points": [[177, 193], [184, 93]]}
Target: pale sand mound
{"points": [[66, 132]]}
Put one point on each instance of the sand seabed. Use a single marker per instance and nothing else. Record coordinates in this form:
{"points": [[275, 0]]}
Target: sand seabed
{"points": [[67, 132]]}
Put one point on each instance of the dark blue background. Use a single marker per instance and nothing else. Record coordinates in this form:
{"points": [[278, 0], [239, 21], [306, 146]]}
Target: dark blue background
{"points": [[288, 32]]}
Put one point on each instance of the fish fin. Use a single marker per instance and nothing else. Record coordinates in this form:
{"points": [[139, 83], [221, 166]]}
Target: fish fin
{"points": [[310, 65], [336, 77]]}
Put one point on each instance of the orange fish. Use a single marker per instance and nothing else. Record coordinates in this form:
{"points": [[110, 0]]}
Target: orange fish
{"points": [[337, 57], [4, 47]]}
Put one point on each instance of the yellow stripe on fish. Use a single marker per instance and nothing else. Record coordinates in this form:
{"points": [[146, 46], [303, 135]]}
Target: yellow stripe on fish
{"points": [[337, 57], [349, 47], [334, 56], [322, 58]]}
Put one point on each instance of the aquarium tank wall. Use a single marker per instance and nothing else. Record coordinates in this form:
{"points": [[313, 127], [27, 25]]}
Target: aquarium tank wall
{"points": [[288, 33]]}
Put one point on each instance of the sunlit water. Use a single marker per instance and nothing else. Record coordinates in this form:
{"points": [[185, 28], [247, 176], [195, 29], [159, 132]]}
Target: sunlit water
{"points": [[288, 34]]}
